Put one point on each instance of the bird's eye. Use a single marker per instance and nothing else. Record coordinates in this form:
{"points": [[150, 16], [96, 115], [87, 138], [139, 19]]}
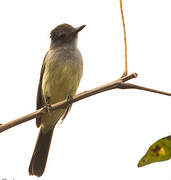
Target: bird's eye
{"points": [[62, 35]]}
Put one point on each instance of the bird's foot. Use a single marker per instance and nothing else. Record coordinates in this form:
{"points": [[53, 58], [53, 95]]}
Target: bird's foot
{"points": [[69, 100], [48, 107]]}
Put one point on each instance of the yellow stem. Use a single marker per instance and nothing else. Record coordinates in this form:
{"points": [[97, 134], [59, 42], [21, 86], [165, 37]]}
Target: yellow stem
{"points": [[125, 42]]}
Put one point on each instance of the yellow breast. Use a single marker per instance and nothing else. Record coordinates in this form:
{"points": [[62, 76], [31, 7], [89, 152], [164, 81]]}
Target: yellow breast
{"points": [[60, 80]]}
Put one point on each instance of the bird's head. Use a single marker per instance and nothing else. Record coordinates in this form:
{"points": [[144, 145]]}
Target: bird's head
{"points": [[64, 34]]}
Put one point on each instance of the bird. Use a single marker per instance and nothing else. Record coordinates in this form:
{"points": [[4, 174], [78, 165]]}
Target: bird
{"points": [[60, 76]]}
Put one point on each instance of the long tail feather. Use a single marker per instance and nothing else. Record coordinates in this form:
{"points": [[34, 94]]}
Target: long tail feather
{"points": [[40, 154]]}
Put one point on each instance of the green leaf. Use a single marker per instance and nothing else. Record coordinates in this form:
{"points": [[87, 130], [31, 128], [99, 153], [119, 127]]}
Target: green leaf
{"points": [[159, 151]]}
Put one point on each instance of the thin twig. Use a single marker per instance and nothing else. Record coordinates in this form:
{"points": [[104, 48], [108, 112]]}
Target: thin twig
{"points": [[125, 41], [134, 86], [64, 103]]}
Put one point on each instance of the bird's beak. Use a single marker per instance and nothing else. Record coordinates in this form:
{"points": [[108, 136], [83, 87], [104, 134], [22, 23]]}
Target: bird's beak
{"points": [[78, 29]]}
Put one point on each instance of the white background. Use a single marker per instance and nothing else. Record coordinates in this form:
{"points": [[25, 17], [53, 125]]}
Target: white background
{"points": [[104, 136]]}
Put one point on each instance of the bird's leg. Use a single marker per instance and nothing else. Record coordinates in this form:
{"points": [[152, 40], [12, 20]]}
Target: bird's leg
{"points": [[48, 105]]}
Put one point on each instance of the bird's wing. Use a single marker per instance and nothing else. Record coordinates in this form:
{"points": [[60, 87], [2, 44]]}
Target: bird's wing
{"points": [[39, 91]]}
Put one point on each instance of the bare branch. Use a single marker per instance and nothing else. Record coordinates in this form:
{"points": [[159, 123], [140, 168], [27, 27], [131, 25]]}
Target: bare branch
{"points": [[64, 103], [117, 84], [133, 86]]}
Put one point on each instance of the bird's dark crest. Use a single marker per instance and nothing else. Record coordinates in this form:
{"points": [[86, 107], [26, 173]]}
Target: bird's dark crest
{"points": [[61, 30]]}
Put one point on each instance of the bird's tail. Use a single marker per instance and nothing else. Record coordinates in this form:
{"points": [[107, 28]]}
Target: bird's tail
{"points": [[40, 154]]}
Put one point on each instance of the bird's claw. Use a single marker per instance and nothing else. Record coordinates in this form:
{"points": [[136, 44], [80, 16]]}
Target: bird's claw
{"points": [[48, 107], [69, 100]]}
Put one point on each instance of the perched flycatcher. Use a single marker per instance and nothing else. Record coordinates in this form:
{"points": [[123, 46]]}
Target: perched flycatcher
{"points": [[59, 78]]}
